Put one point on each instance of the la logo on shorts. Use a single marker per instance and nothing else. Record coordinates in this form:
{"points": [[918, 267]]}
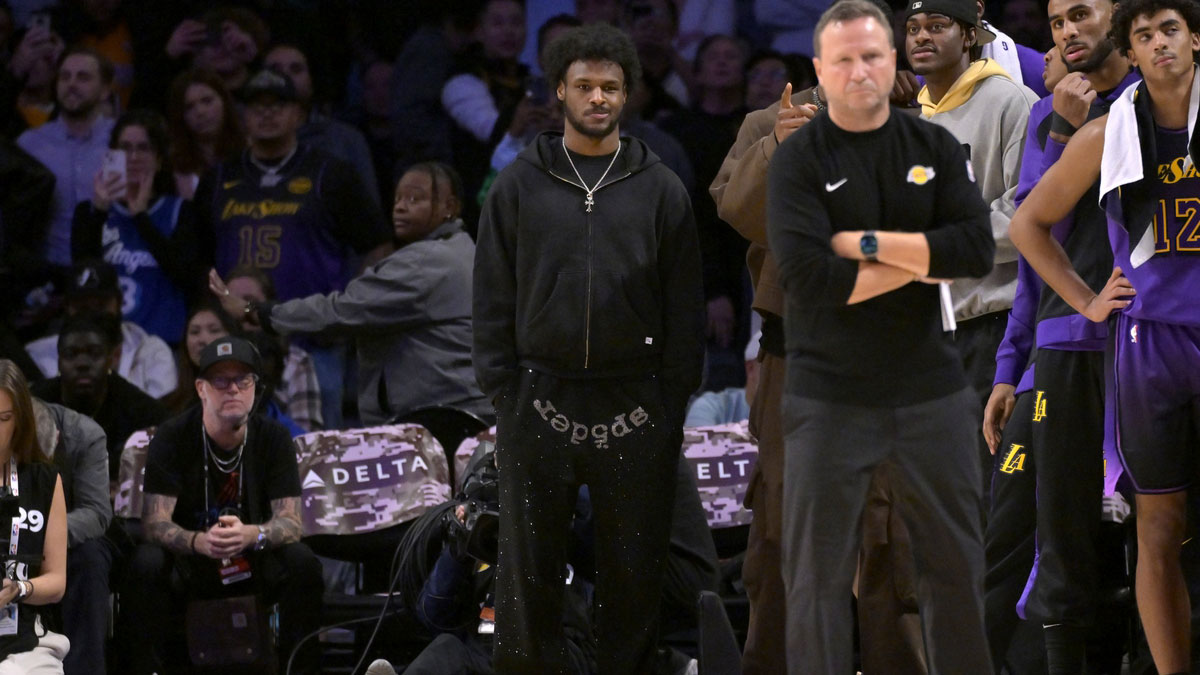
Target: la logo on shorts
{"points": [[920, 175]]}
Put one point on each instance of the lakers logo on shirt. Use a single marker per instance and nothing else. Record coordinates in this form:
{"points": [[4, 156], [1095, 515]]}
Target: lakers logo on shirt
{"points": [[1039, 407], [299, 185], [1014, 461], [920, 175], [1176, 170], [261, 209]]}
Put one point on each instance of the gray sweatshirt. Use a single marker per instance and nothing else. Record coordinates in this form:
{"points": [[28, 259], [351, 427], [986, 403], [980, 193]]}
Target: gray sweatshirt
{"points": [[992, 125], [410, 315], [78, 447]]}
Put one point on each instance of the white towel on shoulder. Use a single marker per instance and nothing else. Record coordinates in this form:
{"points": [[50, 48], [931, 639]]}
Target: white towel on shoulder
{"points": [[1121, 163]]}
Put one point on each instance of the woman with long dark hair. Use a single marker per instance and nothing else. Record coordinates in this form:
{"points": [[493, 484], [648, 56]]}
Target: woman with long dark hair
{"points": [[32, 497], [206, 322], [204, 125], [131, 222]]}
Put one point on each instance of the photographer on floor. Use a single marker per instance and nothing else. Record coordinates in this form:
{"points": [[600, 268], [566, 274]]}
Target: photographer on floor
{"points": [[455, 601]]}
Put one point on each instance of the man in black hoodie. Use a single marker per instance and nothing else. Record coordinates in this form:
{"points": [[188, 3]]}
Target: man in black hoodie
{"points": [[588, 329]]}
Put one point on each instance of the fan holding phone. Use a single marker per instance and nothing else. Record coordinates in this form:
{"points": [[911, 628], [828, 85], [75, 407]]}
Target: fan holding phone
{"points": [[131, 221]]}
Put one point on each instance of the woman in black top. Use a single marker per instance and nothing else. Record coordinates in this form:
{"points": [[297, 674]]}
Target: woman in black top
{"points": [[38, 575]]}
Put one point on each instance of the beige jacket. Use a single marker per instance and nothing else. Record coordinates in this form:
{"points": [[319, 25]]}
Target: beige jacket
{"points": [[740, 191]]}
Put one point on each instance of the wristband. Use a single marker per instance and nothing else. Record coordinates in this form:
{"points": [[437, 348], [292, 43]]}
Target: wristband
{"points": [[22, 591], [1060, 125], [193, 544]]}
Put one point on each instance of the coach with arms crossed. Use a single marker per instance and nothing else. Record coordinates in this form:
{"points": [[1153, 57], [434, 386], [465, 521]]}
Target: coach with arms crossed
{"points": [[872, 374]]}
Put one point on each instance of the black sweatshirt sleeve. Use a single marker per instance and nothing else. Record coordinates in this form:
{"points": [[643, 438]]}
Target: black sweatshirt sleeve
{"points": [[86, 231], [175, 254], [196, 230], [962, 245], [26, 192], [357, 220], [494, 296], [683, 299], [799, 230]]}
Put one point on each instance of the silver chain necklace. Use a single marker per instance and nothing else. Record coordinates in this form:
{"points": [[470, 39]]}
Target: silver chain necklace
{"points": [[224, 465], [270, 174], [590, 202]]}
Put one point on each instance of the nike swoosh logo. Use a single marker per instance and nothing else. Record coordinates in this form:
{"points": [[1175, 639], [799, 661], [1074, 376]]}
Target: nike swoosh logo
{"points": [[830, 187], [230, 183]]}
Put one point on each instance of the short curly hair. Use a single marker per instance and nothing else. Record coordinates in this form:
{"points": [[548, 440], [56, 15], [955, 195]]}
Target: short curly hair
{"points": [[1128, 10], [595, 42]]}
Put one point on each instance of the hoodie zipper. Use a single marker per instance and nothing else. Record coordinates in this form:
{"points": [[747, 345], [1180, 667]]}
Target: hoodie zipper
{"points": [[587, 314]]}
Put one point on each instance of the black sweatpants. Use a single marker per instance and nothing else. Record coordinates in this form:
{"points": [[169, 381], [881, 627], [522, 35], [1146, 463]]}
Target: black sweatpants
{"points": [[1009, 547], [1068, 448], [553, 435], [977, 340]]}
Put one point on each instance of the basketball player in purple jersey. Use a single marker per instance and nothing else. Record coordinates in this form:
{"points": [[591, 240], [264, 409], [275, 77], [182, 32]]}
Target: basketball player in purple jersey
{"points": [[1150, 190]]}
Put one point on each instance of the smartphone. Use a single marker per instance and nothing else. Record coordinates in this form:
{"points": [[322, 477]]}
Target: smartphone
{"points": [[114, 163]]}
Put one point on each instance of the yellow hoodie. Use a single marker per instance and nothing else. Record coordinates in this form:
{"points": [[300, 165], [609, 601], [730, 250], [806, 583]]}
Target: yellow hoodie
{"points": [[960, 92]]}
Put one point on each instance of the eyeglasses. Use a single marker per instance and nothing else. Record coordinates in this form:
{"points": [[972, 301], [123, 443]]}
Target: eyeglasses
{"points": [[222, 383]]}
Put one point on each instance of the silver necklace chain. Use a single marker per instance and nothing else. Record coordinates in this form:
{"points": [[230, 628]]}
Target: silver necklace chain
{"points": [[224, 465], [270, 175], [590, 202]]}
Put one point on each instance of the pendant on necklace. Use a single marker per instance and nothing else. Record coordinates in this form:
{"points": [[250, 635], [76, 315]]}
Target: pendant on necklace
{"points": [[589, 202]]}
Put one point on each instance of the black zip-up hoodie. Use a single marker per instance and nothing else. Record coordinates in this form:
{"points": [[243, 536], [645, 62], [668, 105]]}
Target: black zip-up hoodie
{"points": [[615, 292]]}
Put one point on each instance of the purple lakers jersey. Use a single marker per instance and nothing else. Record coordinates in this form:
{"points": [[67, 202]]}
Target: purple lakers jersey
{"points": [[1168, 283]]}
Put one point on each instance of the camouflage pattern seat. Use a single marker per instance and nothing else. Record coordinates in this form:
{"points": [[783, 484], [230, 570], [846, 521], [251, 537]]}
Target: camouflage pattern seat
{"points": [[722, 458], [449, 425], [360, 488], [466, 450], [127, 495], [358, 481]]}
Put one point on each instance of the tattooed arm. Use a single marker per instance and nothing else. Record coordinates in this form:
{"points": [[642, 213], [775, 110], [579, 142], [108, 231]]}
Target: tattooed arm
{"points": [[284, 527], [161, 530], [232, 536]]}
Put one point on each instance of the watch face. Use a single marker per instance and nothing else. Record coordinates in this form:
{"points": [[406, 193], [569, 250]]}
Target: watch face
{"points": [[869, 245]]}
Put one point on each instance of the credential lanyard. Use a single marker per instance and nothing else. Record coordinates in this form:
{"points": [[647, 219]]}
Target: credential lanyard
{"points": [[16, 521]]}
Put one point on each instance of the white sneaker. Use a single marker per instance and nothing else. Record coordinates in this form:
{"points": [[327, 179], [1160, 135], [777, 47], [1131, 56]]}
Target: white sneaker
{"points": [[380, 667]]}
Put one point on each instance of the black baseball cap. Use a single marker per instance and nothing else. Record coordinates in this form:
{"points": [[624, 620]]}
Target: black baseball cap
{"points": [[965, 11], [93, 278], [230, 348], [267, 82]]}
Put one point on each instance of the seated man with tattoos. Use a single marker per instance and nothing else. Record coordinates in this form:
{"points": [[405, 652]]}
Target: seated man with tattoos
{"points": [[221, 514]]}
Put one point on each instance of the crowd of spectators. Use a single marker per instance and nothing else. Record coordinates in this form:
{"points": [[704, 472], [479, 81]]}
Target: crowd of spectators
{"points": [[328, 159]]}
